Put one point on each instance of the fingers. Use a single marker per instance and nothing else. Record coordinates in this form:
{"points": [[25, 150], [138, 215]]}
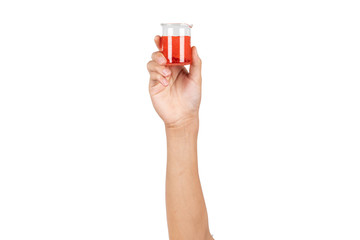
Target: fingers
{"points": [[155, 67], [159, 58], [157, 77], [195, 67], [157, 41]]}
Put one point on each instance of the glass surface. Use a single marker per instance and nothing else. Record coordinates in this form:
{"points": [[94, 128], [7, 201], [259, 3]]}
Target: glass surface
{"points": [[176, 43]]}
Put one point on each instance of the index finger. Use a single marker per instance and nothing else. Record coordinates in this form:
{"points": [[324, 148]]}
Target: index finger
{"points": [[159, 58], [157, 41]]}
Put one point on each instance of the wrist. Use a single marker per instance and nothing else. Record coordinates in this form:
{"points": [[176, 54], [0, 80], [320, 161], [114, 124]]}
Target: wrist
{"points": [[182, 140], [184, 123], [187, 126]]}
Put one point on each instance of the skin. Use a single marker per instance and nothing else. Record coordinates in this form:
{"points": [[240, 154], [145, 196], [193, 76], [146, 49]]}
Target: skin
{"points": [[176, 95]]}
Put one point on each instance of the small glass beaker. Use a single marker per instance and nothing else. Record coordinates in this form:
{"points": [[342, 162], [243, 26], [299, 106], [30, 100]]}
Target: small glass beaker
{"points": [[176, 43]]}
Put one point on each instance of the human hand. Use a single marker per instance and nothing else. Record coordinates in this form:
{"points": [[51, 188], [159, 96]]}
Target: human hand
{"points": [[175, 92]]}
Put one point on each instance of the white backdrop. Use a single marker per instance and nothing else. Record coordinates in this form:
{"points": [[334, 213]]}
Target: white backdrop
{"points": [[82, 152]]}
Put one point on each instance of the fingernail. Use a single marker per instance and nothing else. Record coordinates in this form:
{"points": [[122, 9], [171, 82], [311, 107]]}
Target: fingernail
{"points": [[166, 72], [164, 82], [162, 60]]}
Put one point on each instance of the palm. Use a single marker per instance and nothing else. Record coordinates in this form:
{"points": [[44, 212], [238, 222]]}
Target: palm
{"points": [[178, 100]]}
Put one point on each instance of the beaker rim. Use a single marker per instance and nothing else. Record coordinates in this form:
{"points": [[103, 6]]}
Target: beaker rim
{"points": [[177, 24]]}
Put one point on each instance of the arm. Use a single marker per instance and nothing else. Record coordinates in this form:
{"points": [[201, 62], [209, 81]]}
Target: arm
{"points": [[176, 95], [186, 210]]}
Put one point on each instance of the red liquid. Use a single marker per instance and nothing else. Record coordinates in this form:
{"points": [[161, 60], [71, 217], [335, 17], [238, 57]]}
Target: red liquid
{"points": [[177, 50]]}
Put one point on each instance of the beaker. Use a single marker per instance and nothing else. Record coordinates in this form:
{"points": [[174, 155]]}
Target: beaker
{"points": [[176, 44]]}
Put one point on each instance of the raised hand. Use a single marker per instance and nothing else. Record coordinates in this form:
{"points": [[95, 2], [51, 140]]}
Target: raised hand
{"points": [[175, 92]]}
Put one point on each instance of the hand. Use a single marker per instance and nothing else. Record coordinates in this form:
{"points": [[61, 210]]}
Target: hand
{"points": [[174, 92]]}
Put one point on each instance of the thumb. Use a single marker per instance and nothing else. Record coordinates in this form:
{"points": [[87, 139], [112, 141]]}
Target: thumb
{"points": [[195, 67]]}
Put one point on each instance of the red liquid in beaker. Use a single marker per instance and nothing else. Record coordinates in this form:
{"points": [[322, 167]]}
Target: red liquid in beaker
{"points": [[176, 49]]}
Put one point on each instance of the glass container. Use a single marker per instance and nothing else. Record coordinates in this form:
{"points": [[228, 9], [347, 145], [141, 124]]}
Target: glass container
{"points": [[176, 43]]}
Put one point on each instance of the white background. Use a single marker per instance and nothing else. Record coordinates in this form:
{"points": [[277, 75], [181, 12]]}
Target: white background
{"points": [[82, 152]]}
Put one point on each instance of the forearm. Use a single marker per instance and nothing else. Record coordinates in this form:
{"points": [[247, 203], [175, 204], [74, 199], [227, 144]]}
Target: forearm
{"points": [[186, 210]]}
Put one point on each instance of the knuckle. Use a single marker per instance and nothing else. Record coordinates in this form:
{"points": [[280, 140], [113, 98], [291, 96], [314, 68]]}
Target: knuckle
{"points": [[159, 77], [155, 54], [160, 68], [154, 76], [148, 65]]}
